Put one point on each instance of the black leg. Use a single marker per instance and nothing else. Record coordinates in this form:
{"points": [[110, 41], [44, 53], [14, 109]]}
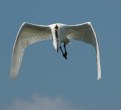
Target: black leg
{"points": [[65, 49], [61, 50], [64, 54]]}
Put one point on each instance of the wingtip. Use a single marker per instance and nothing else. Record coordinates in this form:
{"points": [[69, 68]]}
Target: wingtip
{"points": [[99, 78], [13, 76]]}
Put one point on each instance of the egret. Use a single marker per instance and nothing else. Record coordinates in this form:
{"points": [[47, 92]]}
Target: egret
{"points": [[59, 34]]}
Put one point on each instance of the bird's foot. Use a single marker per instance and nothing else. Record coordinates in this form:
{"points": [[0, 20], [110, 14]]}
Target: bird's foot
{"points": [[65, 56], [65, 53]]}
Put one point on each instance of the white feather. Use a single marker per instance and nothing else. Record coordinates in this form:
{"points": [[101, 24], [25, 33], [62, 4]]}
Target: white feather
{"points": [[32, 33], [28, 34], [85, 32]]}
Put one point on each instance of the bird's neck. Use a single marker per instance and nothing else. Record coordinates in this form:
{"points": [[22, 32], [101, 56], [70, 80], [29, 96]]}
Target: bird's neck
{"points": [[55, 38]]}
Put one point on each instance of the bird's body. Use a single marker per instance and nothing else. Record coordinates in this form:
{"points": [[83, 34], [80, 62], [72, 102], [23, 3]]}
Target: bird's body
{"points": [[59, 33]]}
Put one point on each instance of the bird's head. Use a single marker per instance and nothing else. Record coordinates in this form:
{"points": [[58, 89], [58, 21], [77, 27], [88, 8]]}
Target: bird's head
{"points": [[56, 27]]}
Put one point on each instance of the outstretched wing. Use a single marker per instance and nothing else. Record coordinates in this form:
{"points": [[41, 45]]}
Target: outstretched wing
{"points": [[85, 32], [28, 34]]}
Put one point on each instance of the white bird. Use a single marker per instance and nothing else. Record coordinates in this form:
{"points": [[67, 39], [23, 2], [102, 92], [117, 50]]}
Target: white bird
{"points": [[59, 33]]}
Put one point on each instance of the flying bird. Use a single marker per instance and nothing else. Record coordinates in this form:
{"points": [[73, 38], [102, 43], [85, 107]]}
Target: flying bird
{"points": [[60, 34]]}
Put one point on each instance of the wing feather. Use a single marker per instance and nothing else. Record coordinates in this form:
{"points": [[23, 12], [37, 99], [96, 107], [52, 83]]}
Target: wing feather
{"points": [[85, 32], [28, 34]]}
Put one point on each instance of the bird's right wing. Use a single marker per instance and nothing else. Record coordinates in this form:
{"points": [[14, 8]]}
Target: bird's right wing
{"points": [[28, 34], [85, 32]]}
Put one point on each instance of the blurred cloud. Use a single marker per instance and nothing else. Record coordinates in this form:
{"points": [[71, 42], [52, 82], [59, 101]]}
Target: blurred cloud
{"points": [[41, 103]]}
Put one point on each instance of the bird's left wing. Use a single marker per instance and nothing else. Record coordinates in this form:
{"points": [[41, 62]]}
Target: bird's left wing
{"points": [[84, 32], [28, 34]]}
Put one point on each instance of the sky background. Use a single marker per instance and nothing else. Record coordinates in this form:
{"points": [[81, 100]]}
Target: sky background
{"points": [[49, 82]]}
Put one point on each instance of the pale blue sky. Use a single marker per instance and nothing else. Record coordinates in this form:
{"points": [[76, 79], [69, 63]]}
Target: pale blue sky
{"points": [[47, 75]]}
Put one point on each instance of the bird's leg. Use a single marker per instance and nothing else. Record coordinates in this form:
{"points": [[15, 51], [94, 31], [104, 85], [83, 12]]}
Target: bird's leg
{"points": [[65, 49], [64, 55], [61, 50]]}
